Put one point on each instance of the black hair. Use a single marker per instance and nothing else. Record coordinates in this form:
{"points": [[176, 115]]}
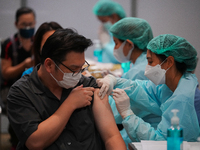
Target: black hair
{"points": [[63, 41], [22, 11], [181, 67], [44, 28]]}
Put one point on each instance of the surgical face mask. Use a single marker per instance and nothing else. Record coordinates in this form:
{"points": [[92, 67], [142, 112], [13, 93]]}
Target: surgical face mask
{"points": [[107, 25], [119, 54], [26, 32], [156, 74], [68, 81]]}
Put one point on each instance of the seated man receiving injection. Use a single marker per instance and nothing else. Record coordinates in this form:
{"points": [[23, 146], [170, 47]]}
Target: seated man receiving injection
{"points": [[56, 107]]}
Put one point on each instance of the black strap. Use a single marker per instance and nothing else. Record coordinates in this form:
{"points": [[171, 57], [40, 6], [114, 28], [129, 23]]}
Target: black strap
{"points": [[14, 47]]}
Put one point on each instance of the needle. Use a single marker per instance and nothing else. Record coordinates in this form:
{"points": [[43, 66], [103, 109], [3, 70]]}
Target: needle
{"points": [[124, 88], [127, 87]]}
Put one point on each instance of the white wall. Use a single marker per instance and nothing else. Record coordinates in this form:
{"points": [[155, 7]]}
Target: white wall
{"points": [[178, 17], [7, 17]]}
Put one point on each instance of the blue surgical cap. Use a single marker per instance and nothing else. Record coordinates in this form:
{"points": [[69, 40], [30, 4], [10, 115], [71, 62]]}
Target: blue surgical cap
{"points": [[178, 47], [108, 8], [137, 30]]}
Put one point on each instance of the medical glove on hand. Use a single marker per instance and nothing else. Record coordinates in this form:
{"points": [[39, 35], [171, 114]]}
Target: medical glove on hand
{"points": [[122, 102], [107, 84]]}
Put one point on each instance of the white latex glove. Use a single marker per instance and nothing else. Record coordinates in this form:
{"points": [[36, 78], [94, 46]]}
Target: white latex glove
{"points": [[107, 84], [122, 102]]}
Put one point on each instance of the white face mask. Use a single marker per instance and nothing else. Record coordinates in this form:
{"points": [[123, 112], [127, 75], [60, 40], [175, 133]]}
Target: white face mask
{"points": [[156, 74], [68, 81], [119, 54], [107, 25]]}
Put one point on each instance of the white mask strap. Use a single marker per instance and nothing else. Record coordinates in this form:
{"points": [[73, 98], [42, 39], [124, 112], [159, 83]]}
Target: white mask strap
{"points": [[58, 67], [163, 63], [54, 77]]}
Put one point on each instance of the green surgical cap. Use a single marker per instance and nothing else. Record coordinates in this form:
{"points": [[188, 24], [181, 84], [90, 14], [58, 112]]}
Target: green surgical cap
{"points": [[136, 30], [178, 47], [107, 8]]}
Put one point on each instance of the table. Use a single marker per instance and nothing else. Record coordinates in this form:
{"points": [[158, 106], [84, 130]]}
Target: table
{"points": [[138, 145], [99, 70]]}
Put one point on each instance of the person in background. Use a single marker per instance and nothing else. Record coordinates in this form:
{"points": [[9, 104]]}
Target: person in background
{"points": [[131, 36], [56, 107], [44, 31], [108, 12], [171, 59], [16, 55]]}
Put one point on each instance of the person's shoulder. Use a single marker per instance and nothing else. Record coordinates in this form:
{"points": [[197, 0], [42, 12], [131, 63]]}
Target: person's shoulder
{"points": [[8, 39], [88, 81], [5, 42], [23, 81]]}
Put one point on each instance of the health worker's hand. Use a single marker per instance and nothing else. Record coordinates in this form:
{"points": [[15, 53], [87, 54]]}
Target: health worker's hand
{"points": [[81, 96], [28, 62], [122, 102], [107, 84]]}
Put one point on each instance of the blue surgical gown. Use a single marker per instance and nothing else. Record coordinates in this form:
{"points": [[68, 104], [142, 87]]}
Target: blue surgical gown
{"points": [[161, 100], [138, 68], [136, 72]]}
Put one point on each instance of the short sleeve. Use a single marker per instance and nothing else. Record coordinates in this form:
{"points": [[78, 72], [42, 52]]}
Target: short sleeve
{"points": [[22, 114], [6, 49]]}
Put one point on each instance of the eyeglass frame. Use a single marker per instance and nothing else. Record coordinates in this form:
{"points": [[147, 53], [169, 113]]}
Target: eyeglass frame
{"points": [[73, 72]]}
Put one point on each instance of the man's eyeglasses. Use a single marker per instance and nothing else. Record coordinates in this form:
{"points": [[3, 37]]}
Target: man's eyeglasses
{"points": [[75, 73]]}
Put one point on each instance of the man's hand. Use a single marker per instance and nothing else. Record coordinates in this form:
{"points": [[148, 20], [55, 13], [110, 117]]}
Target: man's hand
{"points": [[28, 62], [81, 96]]}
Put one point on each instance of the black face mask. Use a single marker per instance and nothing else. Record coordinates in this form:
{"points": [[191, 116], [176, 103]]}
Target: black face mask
{"points": [[26, 32]]}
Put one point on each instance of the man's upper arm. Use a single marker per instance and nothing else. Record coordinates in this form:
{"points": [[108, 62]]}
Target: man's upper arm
{"points": [[105, 123]]}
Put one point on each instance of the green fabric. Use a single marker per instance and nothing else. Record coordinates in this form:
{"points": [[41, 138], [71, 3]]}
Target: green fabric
{"points": [[178, 47], [107, 8], [136, 30]]}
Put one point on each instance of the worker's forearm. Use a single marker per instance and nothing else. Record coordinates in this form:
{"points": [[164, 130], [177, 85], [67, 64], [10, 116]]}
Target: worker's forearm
{"points": [[50, 129], [12, 72]]}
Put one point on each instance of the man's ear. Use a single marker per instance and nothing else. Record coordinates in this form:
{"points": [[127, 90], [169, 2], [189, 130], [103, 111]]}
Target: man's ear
{"points": [[49, 64]]}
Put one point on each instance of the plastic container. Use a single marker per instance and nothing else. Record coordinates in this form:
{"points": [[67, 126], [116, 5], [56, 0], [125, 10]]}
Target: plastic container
{"points": [[175, 134], [125, 66], [97, 51]]}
